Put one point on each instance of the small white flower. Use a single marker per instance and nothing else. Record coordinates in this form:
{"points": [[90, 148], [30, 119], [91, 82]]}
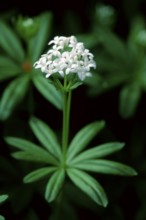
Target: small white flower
{"points": [[67, 56]]}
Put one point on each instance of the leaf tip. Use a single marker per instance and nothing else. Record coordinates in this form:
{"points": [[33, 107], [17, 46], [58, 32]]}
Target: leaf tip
{"points": [[25, 180], [134, 172], [121, 145], [105, 204]]}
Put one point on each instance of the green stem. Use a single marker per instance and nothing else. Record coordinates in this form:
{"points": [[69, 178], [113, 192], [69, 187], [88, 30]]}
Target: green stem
{"points": [[66, 120], [68, 116]]}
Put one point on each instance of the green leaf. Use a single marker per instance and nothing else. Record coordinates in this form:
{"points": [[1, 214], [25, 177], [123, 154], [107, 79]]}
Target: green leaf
{"points": [[27, 156], [88, 185], [3, 198], [10, 43], [38, 174], [113, 45], [30, 150], [2, 218], [12, 95], [137, 25], [83, 137], [106, 167], [48, 91], [8, 68], [37, 43], [90, 40], [129, 99], [54, 185], [46, 136], [99, 151]]}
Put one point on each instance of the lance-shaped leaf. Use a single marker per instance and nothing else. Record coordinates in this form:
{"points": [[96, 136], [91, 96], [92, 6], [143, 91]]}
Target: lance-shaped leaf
{"points": [[8, 68], [46, 136], [129, 99], [49, 91], [137, 25], [37, 43], [99, 151], [54, 185], [3, 198], [38, 174], [12, 95], [113, 45], [30, 151], [10, 43], [2, 218], [83, 137], [88, 185], [106, 167]]}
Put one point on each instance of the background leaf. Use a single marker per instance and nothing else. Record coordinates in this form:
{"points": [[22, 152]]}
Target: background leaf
{"points": [[8, 68], [129, 99], [37, 43], [10, 43], [2, 218], [12, 95], [3, 198], [113, 45], [89, 40]]}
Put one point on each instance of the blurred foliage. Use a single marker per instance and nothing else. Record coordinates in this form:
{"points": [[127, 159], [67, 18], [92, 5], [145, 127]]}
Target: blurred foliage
{"points": [[17, 60], [2, 199], [121, 64]]}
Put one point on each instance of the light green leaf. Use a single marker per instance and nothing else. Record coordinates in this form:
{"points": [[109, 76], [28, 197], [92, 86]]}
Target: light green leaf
{"points": [[29, 150], [99, 151], [12, 95], [8, 68], [25, 155], [83, 137], [2, 218], [48, 91], [38, 174], [10, 43], [54, 185], [129, 98], [3, 198], [46, 136], [88, 185], [106, 167], [37, 43]]}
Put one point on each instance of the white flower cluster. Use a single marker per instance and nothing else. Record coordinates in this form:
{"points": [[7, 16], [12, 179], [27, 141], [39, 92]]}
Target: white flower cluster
{"points": [[66, 56]]}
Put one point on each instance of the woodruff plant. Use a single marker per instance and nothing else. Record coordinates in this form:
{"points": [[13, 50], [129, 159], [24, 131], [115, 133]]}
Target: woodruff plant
{"points": [[67, 64]]}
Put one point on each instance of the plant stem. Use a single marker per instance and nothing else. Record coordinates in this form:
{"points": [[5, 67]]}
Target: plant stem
{"points": [[68, 116], [66, 120]]}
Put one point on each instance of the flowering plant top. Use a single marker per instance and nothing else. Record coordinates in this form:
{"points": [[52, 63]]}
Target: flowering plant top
{"points": [[66, 56]]}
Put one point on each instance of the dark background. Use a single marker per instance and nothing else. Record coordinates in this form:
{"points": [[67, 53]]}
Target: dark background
{"points": [[104, 106]]}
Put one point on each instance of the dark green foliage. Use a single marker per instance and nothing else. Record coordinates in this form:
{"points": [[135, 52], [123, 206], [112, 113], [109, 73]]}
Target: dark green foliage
{"points": [[115, 93]]}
